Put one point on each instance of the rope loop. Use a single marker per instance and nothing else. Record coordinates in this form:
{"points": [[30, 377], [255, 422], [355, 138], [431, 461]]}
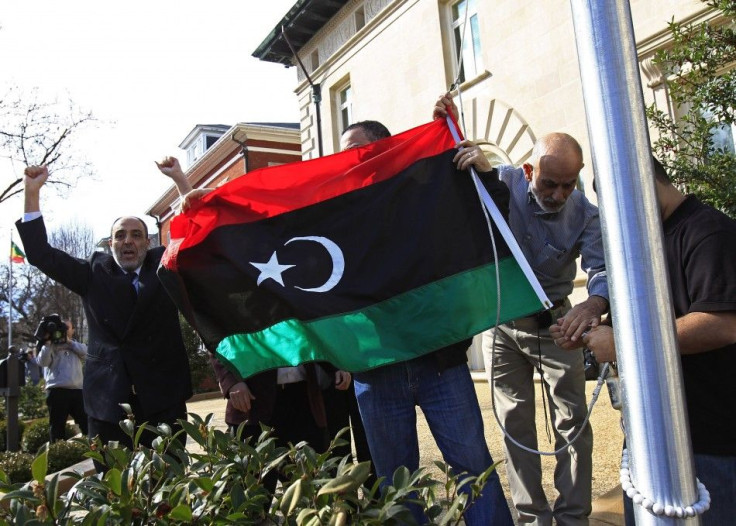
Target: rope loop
{"points": [[655, 508]]}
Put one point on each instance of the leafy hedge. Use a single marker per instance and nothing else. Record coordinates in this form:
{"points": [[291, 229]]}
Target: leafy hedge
{"points": [[65, 453], [16, 464], [61, 454], [4, 433], [32, 402], [222, 483], [36, 434]]}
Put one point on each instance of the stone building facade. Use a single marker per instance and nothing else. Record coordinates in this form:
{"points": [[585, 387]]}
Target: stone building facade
{"points": [[519, 78]]}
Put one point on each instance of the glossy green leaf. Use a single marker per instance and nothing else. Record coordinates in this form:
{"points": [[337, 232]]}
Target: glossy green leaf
{"points": [[40, 464], [291, 497], [181, 513]]}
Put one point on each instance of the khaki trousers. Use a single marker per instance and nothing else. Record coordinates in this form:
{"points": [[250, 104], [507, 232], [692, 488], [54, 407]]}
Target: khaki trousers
{"points": [[517, 354]]}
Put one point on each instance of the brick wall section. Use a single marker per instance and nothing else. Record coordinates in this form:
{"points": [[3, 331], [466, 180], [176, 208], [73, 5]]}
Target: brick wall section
{"points": [[233, 168]]}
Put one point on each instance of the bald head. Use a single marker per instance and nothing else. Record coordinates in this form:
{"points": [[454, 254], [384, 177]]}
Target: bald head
{"points": [[559, 147], [553, 170]]}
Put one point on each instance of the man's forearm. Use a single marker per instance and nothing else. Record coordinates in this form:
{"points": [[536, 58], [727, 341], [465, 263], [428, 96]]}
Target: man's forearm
{"points": [[699, 332], [183, 186], [32, 201]]}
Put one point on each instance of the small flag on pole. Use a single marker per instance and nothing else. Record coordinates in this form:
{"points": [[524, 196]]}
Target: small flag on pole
{"points": [[16, 254]]}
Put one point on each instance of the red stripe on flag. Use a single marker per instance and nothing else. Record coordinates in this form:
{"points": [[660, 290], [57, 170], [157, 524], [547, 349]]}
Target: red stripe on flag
{"points": [[16, 254], [273, 191]]}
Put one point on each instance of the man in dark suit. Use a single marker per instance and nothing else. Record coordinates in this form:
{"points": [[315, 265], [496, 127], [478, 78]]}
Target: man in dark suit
{"points": [[135, 354]]}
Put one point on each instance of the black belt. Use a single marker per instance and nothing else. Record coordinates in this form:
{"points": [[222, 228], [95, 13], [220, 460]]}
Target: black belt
{"points": [[291, 385], [557, 304], [544, 318]]}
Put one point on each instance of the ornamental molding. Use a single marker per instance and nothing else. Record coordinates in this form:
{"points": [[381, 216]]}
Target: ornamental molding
{"points": [[499, 128], [381, 10], [648, 47], [661, 39]]}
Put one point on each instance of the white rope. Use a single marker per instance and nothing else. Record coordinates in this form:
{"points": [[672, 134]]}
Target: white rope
{"points": [[456, 83], [593, 400], [655, 508]]}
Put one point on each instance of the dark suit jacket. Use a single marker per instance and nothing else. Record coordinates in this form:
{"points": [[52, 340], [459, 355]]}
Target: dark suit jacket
{"points": [[264, 387], [131, 343]]}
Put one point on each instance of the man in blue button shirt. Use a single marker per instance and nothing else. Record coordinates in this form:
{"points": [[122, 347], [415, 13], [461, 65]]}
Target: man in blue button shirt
{"points": [[554, 224]]}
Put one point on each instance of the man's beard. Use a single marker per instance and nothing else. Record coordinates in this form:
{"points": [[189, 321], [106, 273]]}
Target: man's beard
{"points": [[127, 266], [548, 205]]}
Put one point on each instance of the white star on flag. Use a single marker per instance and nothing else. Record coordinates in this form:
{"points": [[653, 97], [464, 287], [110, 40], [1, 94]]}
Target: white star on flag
{"points": [[272, 269]]}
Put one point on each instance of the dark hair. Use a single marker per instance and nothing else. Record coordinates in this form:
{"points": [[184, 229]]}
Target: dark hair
{"points": [[374, 130], [660, 174], [145, 226]]}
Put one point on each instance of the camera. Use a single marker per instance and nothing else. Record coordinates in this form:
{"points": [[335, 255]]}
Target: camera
{"points": [[51, 328], [24, 356], [590, 365]]}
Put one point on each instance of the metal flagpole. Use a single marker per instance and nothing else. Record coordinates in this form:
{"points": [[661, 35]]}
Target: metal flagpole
{"points": [[657, 434], [10, 292]]}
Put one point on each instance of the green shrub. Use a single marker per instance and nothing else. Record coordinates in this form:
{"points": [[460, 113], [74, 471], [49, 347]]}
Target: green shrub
{"points": [[61, 454], [16, 465], [4, 433], [35, 435], [32, 402], [221, 483], [64, 453]]}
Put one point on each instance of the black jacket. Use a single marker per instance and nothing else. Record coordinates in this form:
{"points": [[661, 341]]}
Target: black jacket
{"points": [[132, 344]]}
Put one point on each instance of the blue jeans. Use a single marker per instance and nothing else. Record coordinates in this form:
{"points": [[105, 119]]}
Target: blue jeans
{"points": [[387, 398], [719, 476]]}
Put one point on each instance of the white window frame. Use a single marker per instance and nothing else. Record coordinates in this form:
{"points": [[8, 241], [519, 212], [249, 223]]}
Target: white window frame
{"points": [[723, 135], [344, 106], [472, 63]]}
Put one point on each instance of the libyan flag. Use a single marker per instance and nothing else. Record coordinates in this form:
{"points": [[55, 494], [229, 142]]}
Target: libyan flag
{"points": [[363, 258]]}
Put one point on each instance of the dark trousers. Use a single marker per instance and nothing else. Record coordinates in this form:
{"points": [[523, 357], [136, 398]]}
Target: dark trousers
{"points": [[292, 418], [62, 403], [111, 431], [342, 411], [292, 422]]}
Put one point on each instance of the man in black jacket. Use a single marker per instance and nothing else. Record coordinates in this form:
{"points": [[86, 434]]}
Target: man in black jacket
{"points": [[135, 354]]}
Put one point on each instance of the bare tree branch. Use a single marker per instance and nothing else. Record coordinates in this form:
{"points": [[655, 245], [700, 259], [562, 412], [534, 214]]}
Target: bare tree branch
{"points": [[34, 131]]}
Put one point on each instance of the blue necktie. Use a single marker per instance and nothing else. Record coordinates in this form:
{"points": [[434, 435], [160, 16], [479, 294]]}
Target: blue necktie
{"points": [[132, 276]]}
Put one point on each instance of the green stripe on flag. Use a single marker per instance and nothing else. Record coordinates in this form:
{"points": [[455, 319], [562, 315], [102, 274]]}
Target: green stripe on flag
{"points": [[401, 328], [16, 254]]}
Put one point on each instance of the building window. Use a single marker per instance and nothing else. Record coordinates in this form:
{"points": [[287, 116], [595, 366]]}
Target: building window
{"points": [[344, 106], [210, 140], [472, 60], [195, 151], [359, 18], [723, 136], [315, 59]]}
